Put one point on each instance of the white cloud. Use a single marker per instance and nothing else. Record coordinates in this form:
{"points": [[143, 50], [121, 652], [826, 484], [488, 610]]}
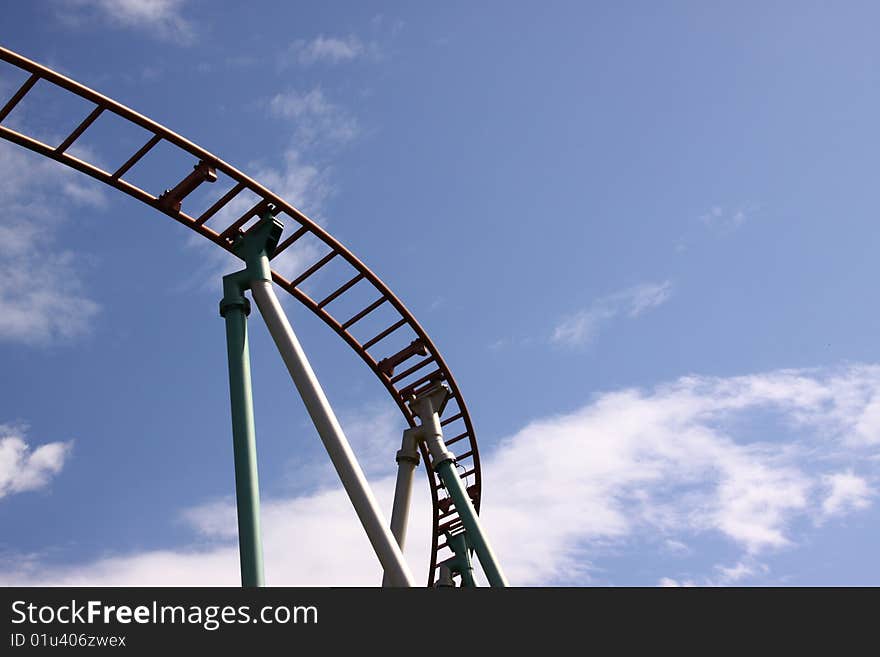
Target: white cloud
{"points": [[582, 327], [42, 297], [718, 220], [728, 219], [371, 429], [332, 50], [676, 547], [295, 541], [867, 429], [161, 18], [735, 575], [669, 582], [315, 118], [84, 195], [670, 464], [304, 185], [738, 572], [25, 469], [846, 492], [756, 500], [647, 296]]}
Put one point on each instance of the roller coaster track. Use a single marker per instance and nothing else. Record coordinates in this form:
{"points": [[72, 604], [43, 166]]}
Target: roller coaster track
{"points": [[425, 366]]}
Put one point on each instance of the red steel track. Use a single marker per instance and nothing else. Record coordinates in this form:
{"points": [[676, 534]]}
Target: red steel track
{"points": [[401, 382]]}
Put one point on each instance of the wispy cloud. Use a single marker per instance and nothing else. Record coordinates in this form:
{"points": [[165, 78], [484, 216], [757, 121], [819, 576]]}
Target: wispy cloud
{"points": [[304, 185], [727, 219], [160, 18], [25, 469], [721, 575], [676, 462], [327, 49], [719, 220], [42, 297], [315, 118], [669, 464], [301, 177], [846, 492], [582, 327], [372, 429]]}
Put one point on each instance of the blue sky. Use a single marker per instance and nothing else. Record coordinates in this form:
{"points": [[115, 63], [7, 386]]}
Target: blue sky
{"points": [[641, 236]]}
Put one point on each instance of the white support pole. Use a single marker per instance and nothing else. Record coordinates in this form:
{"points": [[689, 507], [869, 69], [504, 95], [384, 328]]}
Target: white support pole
{"points": [[407, 460], [347, 467]]}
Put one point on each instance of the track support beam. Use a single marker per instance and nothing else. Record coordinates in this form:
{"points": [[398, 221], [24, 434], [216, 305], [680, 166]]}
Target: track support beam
{"points": [[407, 461], [461, 562], [235, 308], [428, 406], [256, 247]]}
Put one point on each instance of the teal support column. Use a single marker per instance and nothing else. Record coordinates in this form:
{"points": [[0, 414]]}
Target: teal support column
{"points": [[252, 248], [256, 247], [461, 562], [471, 522], [428, 406], [235, 308]]}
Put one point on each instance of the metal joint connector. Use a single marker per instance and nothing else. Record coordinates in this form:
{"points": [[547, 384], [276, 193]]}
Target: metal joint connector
{"points": [[438, 451], [428, 406], [407, 457], [460, 564], [243, 303], [234, 286], [444, 580], [257, 245], [409, 447]]}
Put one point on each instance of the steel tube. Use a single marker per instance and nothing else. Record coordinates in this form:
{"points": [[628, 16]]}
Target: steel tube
{"points": [[402, 498], [247, 489], [407, 460], [471, 521], [338, 448], [444, 463]]}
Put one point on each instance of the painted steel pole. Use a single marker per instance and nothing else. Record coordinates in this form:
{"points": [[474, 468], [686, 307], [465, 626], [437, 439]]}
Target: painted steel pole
{"points": [[234, 308], [471, 522], [462, 559], [407, 460], [347, 467], [428, 407]]}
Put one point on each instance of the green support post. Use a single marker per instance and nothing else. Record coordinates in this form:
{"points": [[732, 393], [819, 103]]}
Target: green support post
{"points": [[235, 308], [428, 406], [461, 562], [476, 536]]}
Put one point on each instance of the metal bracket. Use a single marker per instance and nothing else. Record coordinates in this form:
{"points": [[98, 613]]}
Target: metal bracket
{"points": [[234, 286], [414, 348], [437, 397], [444, 580], [171, 199], [428, 406], [409, 449], [460, 564], [261, 239]]}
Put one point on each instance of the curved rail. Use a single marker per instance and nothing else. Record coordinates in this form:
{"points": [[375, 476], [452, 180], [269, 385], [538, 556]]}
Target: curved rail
{"points": [[429, 366]]}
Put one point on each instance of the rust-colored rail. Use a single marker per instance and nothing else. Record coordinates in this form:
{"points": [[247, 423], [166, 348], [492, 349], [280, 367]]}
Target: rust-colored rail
{"points": [[297, 225]]}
